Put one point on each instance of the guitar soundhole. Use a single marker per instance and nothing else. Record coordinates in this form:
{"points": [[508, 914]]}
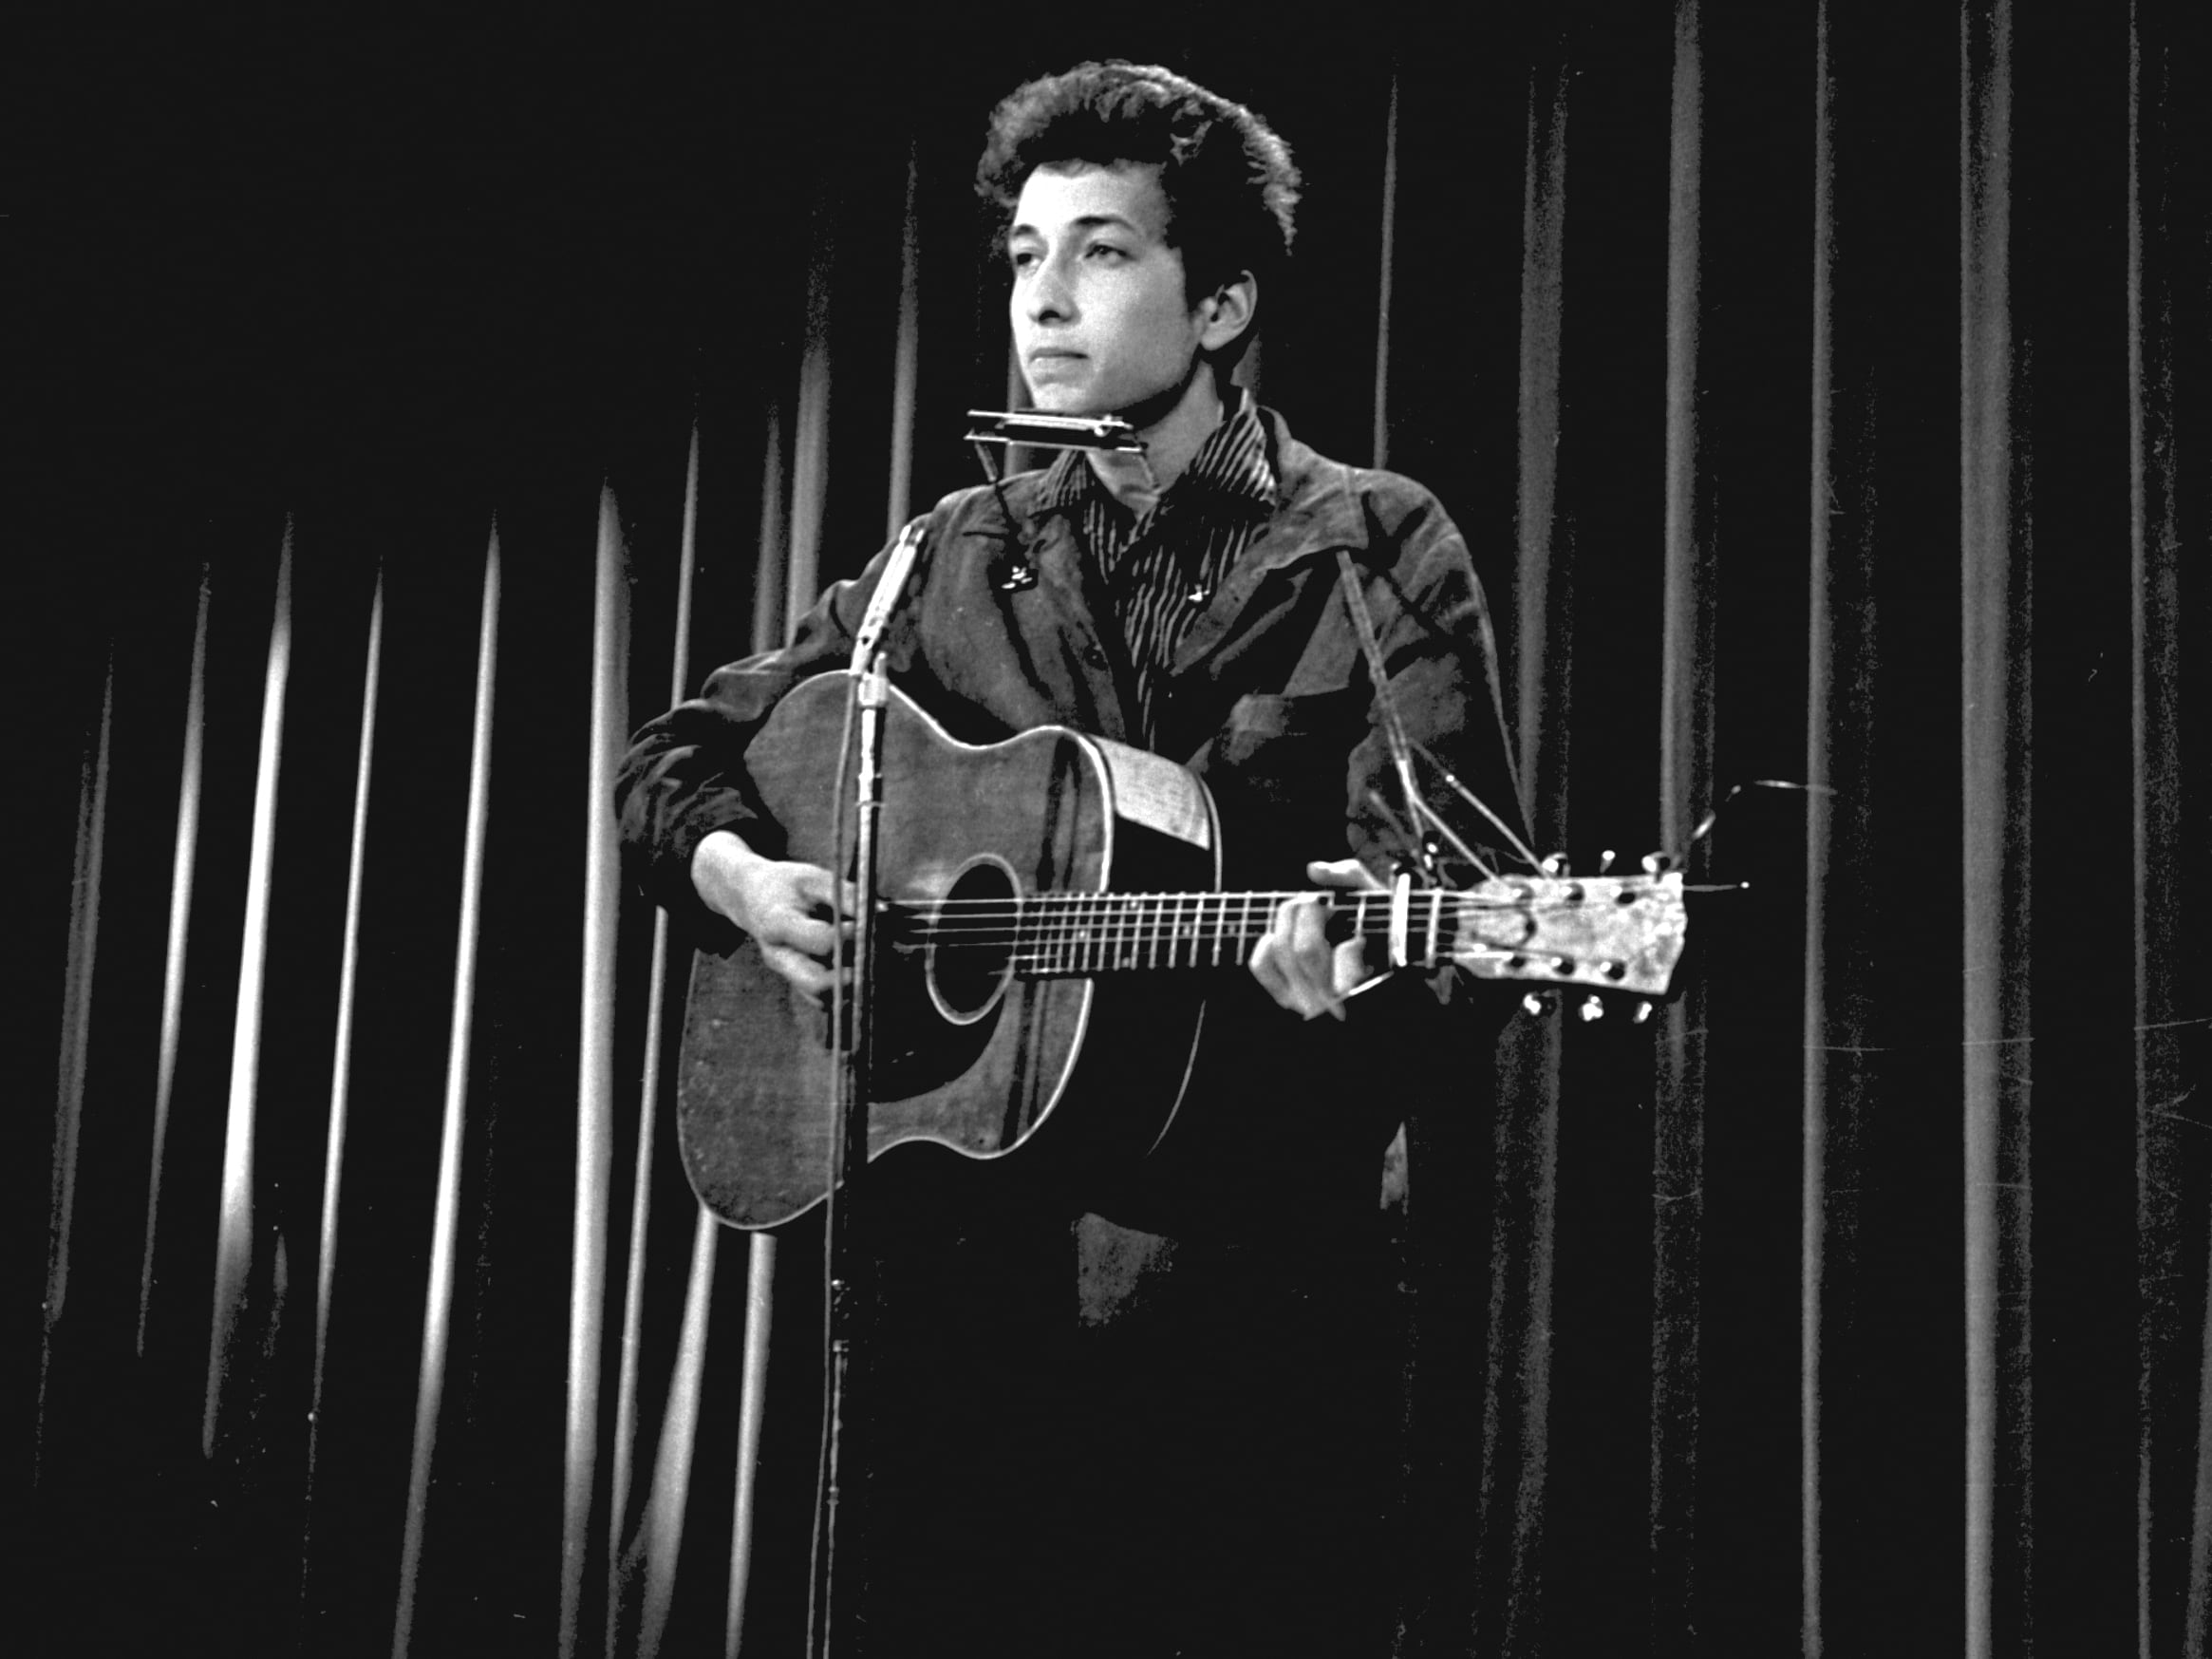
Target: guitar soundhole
{"points": [[972, 941]]}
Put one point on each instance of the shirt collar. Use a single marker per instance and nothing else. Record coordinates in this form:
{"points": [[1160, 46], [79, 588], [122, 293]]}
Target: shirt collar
{"points": [[1231, 466]]}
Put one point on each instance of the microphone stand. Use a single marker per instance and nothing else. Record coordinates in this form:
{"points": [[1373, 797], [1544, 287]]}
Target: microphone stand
{"points": [[869, 680], [870, 683]]}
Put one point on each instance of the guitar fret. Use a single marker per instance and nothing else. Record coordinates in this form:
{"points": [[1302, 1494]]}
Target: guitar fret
{"points": [[1086, 934]]}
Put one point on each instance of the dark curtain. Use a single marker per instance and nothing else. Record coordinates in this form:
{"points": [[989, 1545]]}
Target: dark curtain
{"points": [[1822, 391]]}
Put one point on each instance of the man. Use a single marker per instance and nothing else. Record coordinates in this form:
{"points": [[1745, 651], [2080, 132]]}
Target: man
{"points": [[1216, 1401]]}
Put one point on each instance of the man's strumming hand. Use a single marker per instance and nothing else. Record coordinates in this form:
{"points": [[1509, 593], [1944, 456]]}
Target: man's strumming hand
{"points": [[784, 905]]}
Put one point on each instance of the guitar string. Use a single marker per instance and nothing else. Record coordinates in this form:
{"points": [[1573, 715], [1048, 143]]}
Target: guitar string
{"points": [[985, 920], [1074, 933], [1458, 901]]}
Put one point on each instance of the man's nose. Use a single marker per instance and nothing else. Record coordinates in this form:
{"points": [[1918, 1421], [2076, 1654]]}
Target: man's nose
{"points": [[1050, 298]]}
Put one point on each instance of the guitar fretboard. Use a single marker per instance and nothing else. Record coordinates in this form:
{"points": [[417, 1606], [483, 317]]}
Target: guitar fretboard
{"points": [[1059, 934]]}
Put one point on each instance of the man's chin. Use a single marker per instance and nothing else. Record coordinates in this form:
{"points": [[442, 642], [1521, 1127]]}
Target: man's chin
{"points": [[1062, 400]]}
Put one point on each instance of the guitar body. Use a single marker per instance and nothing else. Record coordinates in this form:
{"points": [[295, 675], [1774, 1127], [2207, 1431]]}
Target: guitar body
{"points": [[970, 1054]]}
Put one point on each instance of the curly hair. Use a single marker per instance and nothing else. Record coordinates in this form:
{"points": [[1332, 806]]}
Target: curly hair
{"points": [[1231, 185]]}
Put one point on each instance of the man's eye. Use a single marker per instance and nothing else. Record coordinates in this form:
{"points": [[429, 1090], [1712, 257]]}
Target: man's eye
{"points": [[1107, 252], [1021, 260]]}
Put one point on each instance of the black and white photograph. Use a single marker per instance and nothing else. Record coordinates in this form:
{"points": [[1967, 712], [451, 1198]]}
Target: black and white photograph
{"points": [[1360, 832]]}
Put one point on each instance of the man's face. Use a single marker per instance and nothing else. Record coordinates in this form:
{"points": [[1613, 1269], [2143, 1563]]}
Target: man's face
{"points": [[1101, 323]]}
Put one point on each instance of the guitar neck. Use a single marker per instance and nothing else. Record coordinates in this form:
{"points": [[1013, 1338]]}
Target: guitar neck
{"points": [[1064, 934], [1613, 933]]}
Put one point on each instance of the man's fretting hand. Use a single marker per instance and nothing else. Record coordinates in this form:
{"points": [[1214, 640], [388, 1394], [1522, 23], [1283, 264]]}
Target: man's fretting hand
{"points": [[1296, 964], [783, 905]]}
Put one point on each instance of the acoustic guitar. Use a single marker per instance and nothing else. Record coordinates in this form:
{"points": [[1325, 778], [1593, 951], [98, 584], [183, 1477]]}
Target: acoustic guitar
{"points": [[1049, 926]]}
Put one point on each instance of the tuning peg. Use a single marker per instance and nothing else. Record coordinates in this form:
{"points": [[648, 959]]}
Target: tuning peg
{"points": [[1533, 1005], [1656, 863], [1553, 864], [1642, 1015], [1591, 1008], [1605, 861]]}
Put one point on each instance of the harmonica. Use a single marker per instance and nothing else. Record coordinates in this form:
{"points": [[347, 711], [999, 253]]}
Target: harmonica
{"points": [[1037, 431]]}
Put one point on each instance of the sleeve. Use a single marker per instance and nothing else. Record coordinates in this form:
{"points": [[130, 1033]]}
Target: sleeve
{"points": [[685, 775]]}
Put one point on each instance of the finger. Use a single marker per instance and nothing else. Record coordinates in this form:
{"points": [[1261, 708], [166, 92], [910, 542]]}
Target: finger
{"points": [[1284, 971], [1342, 873], [1267, 966], [1315, 956], [1349, 967], [801, 970], [813, 886], [1308, 920], [801, 933], [1309, 943]]}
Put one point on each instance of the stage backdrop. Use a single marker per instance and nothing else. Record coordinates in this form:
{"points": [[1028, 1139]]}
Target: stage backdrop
{"points": [[1822, 393]]}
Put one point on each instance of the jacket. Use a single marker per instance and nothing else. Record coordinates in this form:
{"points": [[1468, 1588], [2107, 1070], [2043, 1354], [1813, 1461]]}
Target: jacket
{"points": [[1269, 700]]}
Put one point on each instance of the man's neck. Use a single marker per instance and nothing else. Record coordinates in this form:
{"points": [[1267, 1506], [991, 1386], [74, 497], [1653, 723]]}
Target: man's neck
{"points": [[1139, 480]]}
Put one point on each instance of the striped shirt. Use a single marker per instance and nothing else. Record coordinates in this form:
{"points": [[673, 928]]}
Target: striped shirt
{"points": [[1163, 569]]}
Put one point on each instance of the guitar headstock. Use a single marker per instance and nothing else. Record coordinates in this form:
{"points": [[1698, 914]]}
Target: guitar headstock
{"points": [[1606, 932]]}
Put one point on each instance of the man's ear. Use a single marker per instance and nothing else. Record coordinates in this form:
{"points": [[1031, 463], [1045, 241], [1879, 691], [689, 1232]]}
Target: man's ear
{"points": [[1228, 312]]}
